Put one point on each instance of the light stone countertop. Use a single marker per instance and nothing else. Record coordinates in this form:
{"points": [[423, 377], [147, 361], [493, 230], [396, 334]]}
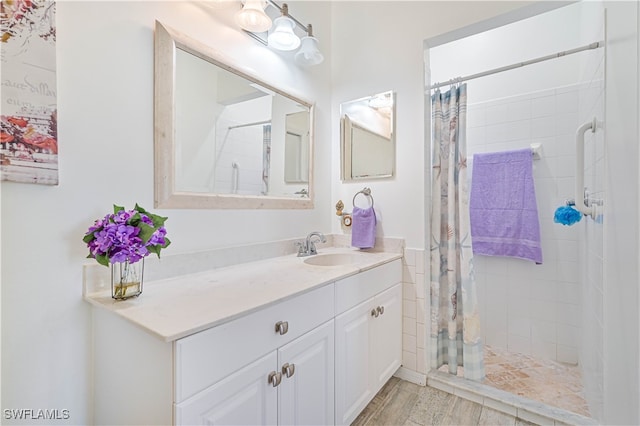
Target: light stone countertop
{"points": [[176, 307]]}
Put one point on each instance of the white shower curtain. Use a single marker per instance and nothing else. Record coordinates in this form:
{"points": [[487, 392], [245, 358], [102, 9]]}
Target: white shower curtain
{"points": [[455, 322]]}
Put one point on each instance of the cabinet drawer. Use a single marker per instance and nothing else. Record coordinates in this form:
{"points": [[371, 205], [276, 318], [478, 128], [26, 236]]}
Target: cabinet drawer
{"points": [[206, 357], [360, 287]]}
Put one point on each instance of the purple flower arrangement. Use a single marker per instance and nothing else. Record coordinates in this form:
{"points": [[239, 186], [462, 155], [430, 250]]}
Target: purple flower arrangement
{"points": [[126, 236]]}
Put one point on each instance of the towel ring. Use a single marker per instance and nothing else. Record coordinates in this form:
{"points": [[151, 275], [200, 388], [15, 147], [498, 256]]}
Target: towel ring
{"points": [[366, 192]]}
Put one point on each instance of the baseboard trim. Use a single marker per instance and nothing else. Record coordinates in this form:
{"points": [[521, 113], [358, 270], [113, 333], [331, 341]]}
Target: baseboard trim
{"points": [[411, 376]]}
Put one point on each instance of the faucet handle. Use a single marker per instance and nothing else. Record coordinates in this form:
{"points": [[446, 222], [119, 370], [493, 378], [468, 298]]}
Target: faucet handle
{"points": [[302, 247]]}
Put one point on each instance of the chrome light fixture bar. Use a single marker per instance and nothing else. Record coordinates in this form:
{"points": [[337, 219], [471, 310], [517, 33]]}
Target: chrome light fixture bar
{"points": [[281, 35]]}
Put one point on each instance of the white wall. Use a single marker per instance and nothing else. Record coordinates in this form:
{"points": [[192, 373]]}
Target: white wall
{"points": [[105, 119], [621, 216]]}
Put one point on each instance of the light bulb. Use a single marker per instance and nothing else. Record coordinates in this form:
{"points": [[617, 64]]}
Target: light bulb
{"points": [[252, 17], [282, 37], [309, 54]]}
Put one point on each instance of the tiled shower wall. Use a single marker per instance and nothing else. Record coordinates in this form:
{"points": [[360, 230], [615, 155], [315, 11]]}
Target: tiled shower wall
{"points": [[414, 332], [524, 307]]}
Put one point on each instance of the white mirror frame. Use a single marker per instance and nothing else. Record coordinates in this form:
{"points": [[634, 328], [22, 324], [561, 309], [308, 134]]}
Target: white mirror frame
{"points": [[167, 40]]}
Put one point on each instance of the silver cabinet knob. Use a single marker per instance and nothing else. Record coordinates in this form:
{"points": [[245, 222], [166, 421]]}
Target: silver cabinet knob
{"points": [[274, 378], [375, 313], [380, 309], [288, 369], [282, 327]]}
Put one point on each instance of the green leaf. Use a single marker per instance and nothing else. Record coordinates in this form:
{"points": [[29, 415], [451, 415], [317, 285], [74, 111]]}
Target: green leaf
{"points": [[166, 242], [103, 259], [88, 238], [116, 209], [158, 221], [154, 249], [134, 220], [146, 232]]}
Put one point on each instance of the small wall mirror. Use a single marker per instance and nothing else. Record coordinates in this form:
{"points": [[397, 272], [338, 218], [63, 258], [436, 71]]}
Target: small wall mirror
{"points": [[368, 137], [223, 137]]}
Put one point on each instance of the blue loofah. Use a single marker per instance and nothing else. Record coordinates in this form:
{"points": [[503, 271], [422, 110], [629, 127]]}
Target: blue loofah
{"points": [[567, 215]]}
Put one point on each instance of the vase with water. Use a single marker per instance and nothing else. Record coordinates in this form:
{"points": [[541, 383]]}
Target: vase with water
{"points": [[126, 279]]}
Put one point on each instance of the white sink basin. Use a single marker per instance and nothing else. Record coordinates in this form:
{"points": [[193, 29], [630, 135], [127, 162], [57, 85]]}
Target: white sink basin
{"points": [[331, 259]]}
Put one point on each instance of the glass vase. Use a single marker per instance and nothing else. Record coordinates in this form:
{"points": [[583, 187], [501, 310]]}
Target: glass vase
{"points": [[126, 279]]}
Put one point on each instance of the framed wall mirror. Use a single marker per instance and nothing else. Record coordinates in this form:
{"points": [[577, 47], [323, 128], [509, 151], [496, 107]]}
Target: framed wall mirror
{"points": [[368, 137], [225, 138]]}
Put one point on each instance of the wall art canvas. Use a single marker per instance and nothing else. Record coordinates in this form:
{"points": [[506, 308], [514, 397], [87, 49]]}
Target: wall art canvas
{"points": [[28, 108]]}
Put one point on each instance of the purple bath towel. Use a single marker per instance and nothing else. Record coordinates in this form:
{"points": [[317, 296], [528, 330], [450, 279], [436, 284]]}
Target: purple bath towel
{"points": [[363, 228], [502, 205]]}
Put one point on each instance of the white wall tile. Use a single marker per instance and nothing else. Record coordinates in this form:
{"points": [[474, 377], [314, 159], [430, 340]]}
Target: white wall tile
{"points": [[410, 256], [519, 110], [421, 364], [523, 305], [409, 326], [542, 127], [495, 114], [421, 335], [568, 335], [544, 330], [519, 325], [544, 106], [420, 286], [542, 349], [409, 274], [421, 310], [496, 338], [409, 309], [408, 291], [567, 100], [568, 354], [568, 314], [420, 262], [409, 343], [409, 360], [519, 344]]}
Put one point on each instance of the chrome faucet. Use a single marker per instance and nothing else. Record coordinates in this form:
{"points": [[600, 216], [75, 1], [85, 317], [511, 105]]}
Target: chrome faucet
{"points": [[308, 246]]}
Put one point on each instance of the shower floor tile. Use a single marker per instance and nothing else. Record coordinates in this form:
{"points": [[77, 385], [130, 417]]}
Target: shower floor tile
{"points": [[547, 381]]}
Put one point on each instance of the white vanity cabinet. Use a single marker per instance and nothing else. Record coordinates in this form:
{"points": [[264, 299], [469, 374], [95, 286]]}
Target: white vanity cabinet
{"points": [[290, 382], [293, 385], [368, 337], [312, 356]]}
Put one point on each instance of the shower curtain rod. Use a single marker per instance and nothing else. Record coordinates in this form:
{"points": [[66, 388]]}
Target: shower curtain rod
{"points": [[237, 126], [595, 45]]}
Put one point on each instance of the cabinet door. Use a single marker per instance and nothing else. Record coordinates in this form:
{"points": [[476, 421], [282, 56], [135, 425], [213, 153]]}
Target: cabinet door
{"points": [[388, 334], [354, 350], [306, 397], [243, 398]]}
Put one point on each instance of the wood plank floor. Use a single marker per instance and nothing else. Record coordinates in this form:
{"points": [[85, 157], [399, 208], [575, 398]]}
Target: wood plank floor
{"points": [[406, 404]]}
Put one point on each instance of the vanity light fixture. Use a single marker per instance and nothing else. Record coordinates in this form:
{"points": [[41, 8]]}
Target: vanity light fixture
{"points": [[282, 36], [309, 54], [252, 16]]}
